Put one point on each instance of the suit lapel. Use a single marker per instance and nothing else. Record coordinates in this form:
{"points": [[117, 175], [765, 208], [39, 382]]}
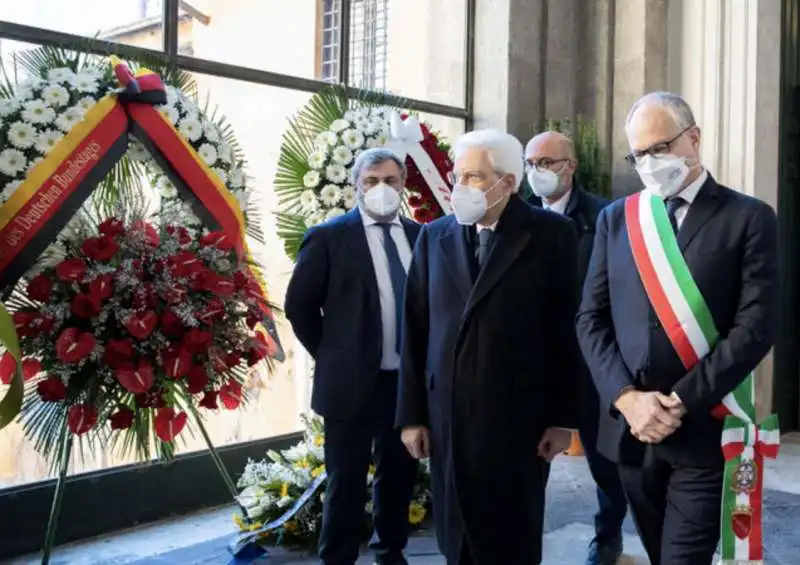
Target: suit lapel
{"points": [[457, 256], [359, 248], [705, 205], [411, 230], [509, 242]]}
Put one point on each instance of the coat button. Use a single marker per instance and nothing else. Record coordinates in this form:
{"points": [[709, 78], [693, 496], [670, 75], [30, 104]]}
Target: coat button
{"points": [[655, 324]]}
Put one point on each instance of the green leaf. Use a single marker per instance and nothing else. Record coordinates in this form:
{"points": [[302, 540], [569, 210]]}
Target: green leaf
{"points": [[594, 171], [11, 404]]}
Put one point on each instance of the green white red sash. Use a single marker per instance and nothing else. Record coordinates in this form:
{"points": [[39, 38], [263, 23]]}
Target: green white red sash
{"points": [[687, 321]]}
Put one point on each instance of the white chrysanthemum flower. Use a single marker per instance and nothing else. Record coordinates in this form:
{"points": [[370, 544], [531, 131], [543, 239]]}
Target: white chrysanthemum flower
{"points": [[191, 129], [373, 142], [326, 139], [137, 151], [8, 106], [86, 103], [66, 121], [316, 160], [311, 179], [8, 190], [308, 201], [379, 125], [349, 197], [86, 82], [23, 93], [12, 162], [212, 132], [339, 125], [166, 188], [170, 112], [172, 95], [48, 139], [315, 218], [189, 109], [22, 135], [382, 139], [330, 195], [336, 174], [361, 123], [334, 213], [208, 153], [236, 178], [351, 115], [354, 139], [225, 153], [61, 75], [55, 95], [223, 176], [37, 112], [342, 155]]}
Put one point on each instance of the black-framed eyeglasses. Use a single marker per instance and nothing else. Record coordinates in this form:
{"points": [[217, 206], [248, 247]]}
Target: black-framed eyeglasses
{"points": [[544, 164], [660, 148]]}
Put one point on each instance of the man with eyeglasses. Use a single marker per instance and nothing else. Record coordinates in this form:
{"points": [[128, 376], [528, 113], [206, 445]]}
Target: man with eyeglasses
{"points": [[550, 164], [490, 366], [679, 306]]}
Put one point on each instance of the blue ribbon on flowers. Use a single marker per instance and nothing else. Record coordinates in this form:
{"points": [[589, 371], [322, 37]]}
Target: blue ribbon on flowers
{"points": [[244, 547]]}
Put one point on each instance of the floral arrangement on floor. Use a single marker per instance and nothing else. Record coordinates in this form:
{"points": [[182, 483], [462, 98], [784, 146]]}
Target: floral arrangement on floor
{"points": [[272, 486], [320, 147]]}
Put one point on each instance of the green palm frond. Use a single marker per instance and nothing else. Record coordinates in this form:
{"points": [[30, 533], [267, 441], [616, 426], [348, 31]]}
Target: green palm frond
{"points": [[594, 171], [291, 228]]}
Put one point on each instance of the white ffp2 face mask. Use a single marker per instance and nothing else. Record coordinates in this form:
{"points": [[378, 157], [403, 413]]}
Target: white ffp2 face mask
{"points": [[663, 176], [543, 183], [470, 203], [381, 200]]}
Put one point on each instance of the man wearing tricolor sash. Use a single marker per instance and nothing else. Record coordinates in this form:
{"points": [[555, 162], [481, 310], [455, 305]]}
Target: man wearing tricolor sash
{"points": [[679, 307]]}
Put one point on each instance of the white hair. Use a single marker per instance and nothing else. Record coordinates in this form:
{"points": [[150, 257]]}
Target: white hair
{"points": [[505, 151], [677, 107]]}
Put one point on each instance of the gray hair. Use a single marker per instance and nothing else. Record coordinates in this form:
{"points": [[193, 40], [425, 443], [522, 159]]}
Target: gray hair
{"points": [[505, 151], [375, 156], [672, 103]]}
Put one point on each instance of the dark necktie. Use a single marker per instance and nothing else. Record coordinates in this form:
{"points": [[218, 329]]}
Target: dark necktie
{"points": [[397, 273], [485, 237], [673, 205]]}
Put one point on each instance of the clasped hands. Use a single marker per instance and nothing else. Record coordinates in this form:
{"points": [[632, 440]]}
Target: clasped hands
{"points": [[652, 416]]}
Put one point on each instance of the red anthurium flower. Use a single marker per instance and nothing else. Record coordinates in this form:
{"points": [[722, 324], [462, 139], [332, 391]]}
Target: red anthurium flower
{"points": [[262, 346], [112, 227], [177, 361], [196, 341], [415, 201], [86, 306], [150, 234], [31, 324], [231, 395], [137, 379], [101, 248], [168, 424], [51, 389], [185, 264], [71, 270], [122, 419], [30, 368], [181, 234], [102, 287], [216, 284], [197, 379], [8, 365], [141, 325], [118, 352], [219, 239], [72, 345], [209, 400], [175, 295], [171, 325], [40, 288], [213, 311], [81, 418]]}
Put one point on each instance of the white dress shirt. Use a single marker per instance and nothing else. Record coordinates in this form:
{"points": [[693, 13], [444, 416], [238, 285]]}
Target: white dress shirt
{"points": [[689, 194], [390, 359], [560, 205]]}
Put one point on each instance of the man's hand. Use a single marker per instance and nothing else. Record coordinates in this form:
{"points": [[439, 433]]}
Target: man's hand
{"points": [[673, 403], [553, 442], [650, 421], [417, 440]]}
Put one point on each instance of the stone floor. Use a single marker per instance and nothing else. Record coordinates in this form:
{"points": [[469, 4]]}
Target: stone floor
{"points": [[201, 539]]}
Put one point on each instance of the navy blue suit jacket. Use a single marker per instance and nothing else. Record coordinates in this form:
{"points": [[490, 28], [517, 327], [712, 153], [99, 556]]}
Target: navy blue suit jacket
{"points": [[729, 241], [332, 303]]}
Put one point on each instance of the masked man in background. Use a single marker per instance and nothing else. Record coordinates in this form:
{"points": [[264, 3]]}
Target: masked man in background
{"points": [[344, 302]]}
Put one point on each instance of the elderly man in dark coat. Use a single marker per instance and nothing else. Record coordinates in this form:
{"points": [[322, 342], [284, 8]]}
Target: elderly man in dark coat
{"points": [[490, 364]]}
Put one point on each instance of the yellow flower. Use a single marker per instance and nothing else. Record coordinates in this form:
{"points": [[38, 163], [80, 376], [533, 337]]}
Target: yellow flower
{"points": [[285, 490], [318, 441], [318, 471], [302, 463], [255, 526], [290, 526], [416, 513], [372, 469], [239, 521]]}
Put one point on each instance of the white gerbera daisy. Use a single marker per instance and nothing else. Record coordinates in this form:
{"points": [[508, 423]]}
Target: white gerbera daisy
{"points": [[86, 82], [8, 106], [349, 197], [12, 162], [339, 125], [55, 95], [326, 139], [351, 115], [354, 139], [191, 129], [166, 188], [225, 153], [336, 173], [137, 151], [8, 190], [334, 213], [314, 219], [66, 121], [61, 75], [172, 95], [317, 159], [236, 178], [22, 135], [308, 201], [48, 139], [330, 195], [86, 103], [188, 108], [212, 132], [208, 153], [311, 179], [342, 155], [37, 112], [223, 176], [170, 112]]}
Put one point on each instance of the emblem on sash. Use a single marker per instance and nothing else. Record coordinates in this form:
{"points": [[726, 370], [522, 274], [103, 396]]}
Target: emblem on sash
{"points": [[742, 521], [745, 477]]}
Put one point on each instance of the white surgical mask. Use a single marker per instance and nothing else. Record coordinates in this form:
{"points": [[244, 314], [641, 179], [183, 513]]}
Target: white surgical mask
{"points": [[381, 200], [543, 183], [663, 175], [470, 203]]}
